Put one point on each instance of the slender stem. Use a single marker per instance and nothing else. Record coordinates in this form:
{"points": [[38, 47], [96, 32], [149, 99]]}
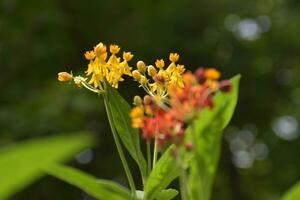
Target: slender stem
{"points": [[149, 157], [119, 147], [183, 179], [183, 185], [154, 153]]}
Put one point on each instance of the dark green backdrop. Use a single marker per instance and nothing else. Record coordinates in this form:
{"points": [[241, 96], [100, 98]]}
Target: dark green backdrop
{"points": [[258, 38]]}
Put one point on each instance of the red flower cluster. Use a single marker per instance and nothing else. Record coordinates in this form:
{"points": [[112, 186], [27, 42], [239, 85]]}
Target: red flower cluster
{"points": [[165, 119]]}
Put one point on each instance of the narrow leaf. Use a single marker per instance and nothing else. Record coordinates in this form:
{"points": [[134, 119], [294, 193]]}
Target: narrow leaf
{"points": [[130, 137], [293, 193], [99, 189], [22, 163], [206, 133], [164, 172], [167, 194]]}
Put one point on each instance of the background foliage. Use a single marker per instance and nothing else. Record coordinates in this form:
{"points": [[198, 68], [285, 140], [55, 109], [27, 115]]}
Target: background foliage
{"points": [[259, 39]]}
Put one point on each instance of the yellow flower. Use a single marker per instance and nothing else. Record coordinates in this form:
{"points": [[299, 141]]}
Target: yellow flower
{"points": [[176, 76], [127, 56], [160, 63], [174, 57], [100, 49], [137, 117], [89, 55], [64, 76], [114, 49], [98, 69]]}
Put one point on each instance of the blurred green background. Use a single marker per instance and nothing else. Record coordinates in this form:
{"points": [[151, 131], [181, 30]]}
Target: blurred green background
{"points": [[258, 38]]}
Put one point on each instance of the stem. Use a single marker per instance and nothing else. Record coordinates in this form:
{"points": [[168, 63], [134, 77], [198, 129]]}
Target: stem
{"points": [[119, 147], [183, 185], [149, 157], [183, 179], [154, 153]]}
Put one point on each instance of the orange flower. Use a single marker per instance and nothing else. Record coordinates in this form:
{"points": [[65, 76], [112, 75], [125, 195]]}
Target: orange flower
{"points": [[137, 116]]}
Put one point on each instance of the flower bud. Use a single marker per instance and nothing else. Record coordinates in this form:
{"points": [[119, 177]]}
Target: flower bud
{"points": [[189, 145], [141, 66], [200, 75], [64, 76], [212, 73], [136, 75], [137, 100], [143, 80], [151, 70], [148, 100]]}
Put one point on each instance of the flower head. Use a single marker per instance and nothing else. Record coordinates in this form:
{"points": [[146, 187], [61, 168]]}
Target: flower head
{"points": [[103, 68], [185, 95], [160, 78]]}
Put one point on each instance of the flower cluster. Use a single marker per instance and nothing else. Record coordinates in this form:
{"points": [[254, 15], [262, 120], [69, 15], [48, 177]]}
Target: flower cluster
{"points": [[165, 120], [174, 97], [156, 80], [102, 69]]}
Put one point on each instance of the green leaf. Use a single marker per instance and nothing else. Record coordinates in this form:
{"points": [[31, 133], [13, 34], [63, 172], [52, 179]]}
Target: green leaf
{"points": [[167, 194], [206, 133], [22, 163], [293, 193], [130, 137], [163, 195], [99, 189], [163, 173]]}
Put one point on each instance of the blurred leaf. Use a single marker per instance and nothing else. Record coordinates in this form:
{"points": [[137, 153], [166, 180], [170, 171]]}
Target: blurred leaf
{"points": [[293, 193], [22, 163], [163, 195], [100, 189], [130, 137], [167, 194], [163, 173], [206, 133]]}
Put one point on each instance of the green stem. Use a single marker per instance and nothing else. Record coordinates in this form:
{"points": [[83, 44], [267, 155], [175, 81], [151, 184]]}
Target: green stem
{"points": [[149, 157], [183, 185], [119, 147], [183, 179], [154, 153]]}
